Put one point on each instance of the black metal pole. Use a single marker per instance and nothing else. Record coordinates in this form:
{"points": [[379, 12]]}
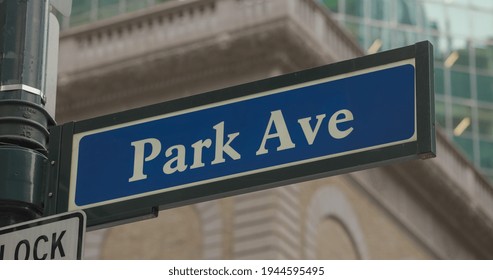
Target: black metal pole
{"points": [[23, 119]]}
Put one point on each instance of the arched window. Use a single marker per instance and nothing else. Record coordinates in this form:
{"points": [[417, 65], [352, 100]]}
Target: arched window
{"points": [[332, 229]]}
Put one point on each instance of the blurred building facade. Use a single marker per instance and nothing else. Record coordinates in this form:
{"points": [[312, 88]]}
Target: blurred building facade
{"points": [[130, 56]]}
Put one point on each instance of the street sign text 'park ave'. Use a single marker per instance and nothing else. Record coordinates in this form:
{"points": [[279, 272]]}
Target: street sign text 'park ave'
{"points": [[323, 121]]}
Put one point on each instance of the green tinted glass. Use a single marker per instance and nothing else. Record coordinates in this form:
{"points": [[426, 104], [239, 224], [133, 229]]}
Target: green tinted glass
{"points": [[485, 122], [439, 82], [134, 5], [108, 8], [486, 154], [355, 7], [460, 84], [466, 146], [81, 12], [333, 5], [461, 119], [485, 87], [440, 113]]}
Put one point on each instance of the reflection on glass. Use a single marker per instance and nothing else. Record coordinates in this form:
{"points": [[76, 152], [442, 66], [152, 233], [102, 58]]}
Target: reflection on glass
{"points": [[81, 12], [461, 119], [485, 122], [485, 88], [434, 15], [465, 144], [482, 25], [354, 7], [451, 59], [357, 29], [108, 8], [461, 46], [486, 154], [403, 38], [484, 58], [464, 124], [440, 46], [439, 83], [440, 113], [134, 5], [380, 9], [457, 21], [333, 5], [406, 12], [381, 33], [375, 46], [458, 2], [488, 4], [460, 84]]}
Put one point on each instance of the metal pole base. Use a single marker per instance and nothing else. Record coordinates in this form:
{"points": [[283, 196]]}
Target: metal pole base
{"points": [[21, 169], [13, 212]]}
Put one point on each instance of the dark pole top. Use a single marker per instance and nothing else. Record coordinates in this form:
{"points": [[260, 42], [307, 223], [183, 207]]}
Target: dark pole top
{"points": [[23, 119], [22, 49]]}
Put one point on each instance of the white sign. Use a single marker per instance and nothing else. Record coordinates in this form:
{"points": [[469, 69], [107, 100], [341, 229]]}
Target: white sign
{"points": [[58, 237]]}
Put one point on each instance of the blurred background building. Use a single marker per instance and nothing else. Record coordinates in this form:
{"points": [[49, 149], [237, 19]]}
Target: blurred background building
{"points": [[462, 35], [121, 54]]}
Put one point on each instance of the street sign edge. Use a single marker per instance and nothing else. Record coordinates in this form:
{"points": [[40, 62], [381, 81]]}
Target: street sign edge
{"points": [[425, 100]]}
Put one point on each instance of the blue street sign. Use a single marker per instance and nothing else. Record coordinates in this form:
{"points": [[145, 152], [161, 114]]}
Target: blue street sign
{"points": [[323, 123], [307, 122]]}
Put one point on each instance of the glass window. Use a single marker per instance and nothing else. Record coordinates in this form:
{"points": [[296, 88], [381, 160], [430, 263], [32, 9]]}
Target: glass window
{"points": [[466, 146], [380, 9], [441, 47], [482, 23], [460, 48], [134, 5], [434, 17], [488, 4], [333, 5], [403, 38], [457, 43], [485, 88], [458, 21], [420, 15], [357, 29], [81, 12], [381, 33], [484, 58], [406, 12], [460, 84], [486, 154], [458, 2], [485, 122], [439, 83], [108, 8], [461, 119], [355, 7], [440, 113]]}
